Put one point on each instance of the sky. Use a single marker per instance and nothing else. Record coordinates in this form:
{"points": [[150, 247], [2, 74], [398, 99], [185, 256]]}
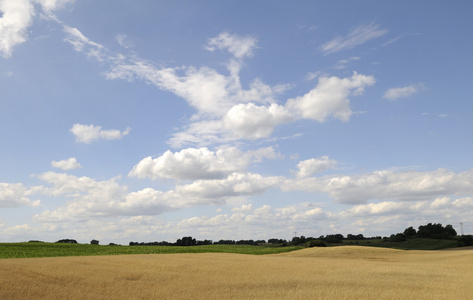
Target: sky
{"points": [[152, 120]]}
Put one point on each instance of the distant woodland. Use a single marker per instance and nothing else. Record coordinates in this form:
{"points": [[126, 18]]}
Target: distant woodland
{"points": [[430, 231]]}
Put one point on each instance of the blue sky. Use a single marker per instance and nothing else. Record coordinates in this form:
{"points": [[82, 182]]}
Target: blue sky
{"points": [[152, 120]]}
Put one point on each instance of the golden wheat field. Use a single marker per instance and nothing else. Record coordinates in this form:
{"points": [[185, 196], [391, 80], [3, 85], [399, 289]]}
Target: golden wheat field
{"points": [[347, 272]]}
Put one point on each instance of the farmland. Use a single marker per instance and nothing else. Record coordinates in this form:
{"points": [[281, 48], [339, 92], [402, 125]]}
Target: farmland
{"points": [[347, 272], [31, 250]]}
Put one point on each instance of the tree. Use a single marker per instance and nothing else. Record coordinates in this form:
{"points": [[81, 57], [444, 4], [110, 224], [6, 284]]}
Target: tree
{"points": [[298, 240], [410, 232], [315, 243], [186, 241], [67, 241], [465, 240], [436, 231], [94, 242], [449, 231], [357, 237], [399, 237], [334, 238]]}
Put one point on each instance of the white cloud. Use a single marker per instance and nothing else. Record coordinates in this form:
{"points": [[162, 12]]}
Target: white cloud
{"points": [[312, 166], [401, 92], [124, 41], [355, 37], [50, 5], [192, 163], [97, 198], [256, 222], [404, 186], [329, 98], [217, 190], [239, 46], [17, 17], [82, 44], [226, 111], [67, 164], [89, 133], [249, 121], [91, 198], [15, 194]]}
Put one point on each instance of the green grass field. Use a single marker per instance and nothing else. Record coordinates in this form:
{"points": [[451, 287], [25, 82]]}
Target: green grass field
{"points": [[29, 250]]}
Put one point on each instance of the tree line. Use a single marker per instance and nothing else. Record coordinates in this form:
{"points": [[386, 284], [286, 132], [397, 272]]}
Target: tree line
{"points": [[430, 230]]}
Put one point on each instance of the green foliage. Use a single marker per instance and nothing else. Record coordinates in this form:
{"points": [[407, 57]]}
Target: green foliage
{"points": [[299, 240], [465, 240], [400, 237], [67, 241], [28, 250], [354, 237], [436, 231], [186, 241], [315, 243], [410, 232], [334, 238]]}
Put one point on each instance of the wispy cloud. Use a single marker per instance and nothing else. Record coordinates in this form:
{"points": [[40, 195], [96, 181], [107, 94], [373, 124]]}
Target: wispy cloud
{"points": [[239, 46], [355, 37], [124, 41], [89, 133], [401, 92]]}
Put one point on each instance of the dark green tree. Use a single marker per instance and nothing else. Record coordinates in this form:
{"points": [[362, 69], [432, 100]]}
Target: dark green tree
{"points": [[186, 241], [436, 231], [399, 237], [410, 232], [449, 231]]}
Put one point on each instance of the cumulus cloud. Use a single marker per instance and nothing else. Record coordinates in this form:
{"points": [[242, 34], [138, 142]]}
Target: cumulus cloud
{"points": [[355, 37], [202, 163], [17, 17], [15, 194], [249, 121], [312, 166], [217, 190], [401, 92], [403, 186], [239, 46], [330, 98], [67, 164], [90, 197], [89, 133], [225, 110]]}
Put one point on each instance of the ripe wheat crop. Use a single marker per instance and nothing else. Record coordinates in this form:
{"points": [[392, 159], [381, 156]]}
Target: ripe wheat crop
{"points": [[347, 272]]}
